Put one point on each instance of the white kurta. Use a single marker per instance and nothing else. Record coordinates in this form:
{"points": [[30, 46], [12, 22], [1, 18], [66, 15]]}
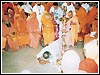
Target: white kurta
{"points": [[27, 8], [56, 13]]}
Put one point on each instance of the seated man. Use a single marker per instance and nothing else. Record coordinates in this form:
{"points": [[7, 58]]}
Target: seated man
{"points": [[50, 53]]}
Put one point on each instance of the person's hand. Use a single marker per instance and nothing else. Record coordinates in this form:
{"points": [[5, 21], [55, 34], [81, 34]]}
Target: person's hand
{"points": [[42, 61]]}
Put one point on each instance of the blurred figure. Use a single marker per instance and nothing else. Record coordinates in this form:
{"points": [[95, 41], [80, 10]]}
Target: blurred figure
{"points": [[47, 5], [39, 9], [27, 8], [86, 6], [8, 12], [32, 4], [8, 29], [25, 72], [74, 23], [50, 53], [69, 7], [47, 28], [70, 62], [57, 13], [88, 65], [95, 24], [33, 29], [82, 16], [20, 23], [92, 13], [91, 48], [3, 43]]}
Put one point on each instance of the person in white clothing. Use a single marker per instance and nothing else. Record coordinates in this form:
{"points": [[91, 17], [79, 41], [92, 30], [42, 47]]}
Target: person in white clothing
{"points": [[27, 8], [39, 9], [57, 12], [70, 7], [86, 6], [50, 53]]}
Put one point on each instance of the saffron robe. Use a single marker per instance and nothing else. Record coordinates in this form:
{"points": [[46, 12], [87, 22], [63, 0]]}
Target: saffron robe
{"points": [[82, 17], [20, 25], [33, 29], [92, 14], [48, 28]]}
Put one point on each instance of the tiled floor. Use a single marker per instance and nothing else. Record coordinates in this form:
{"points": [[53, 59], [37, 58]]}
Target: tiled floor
{"points": [[25, 59]]}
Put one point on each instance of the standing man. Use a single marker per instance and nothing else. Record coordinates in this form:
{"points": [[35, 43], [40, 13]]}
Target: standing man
{"points": [[47, 28], [56, 11], [27, 8]]}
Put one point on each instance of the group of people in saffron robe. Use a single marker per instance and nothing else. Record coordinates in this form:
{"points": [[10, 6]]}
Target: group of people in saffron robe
{"points": [[40, 23]]}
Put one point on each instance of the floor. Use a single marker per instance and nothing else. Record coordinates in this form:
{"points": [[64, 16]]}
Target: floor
{"points": [[25, 59]]}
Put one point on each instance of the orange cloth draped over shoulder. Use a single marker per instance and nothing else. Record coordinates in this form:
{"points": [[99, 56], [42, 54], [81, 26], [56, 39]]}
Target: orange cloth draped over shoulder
{"points": [[48, 28], [92, 14], [32, 23], [16, 9], [88, 65], [20, 24], [21, 21]]}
